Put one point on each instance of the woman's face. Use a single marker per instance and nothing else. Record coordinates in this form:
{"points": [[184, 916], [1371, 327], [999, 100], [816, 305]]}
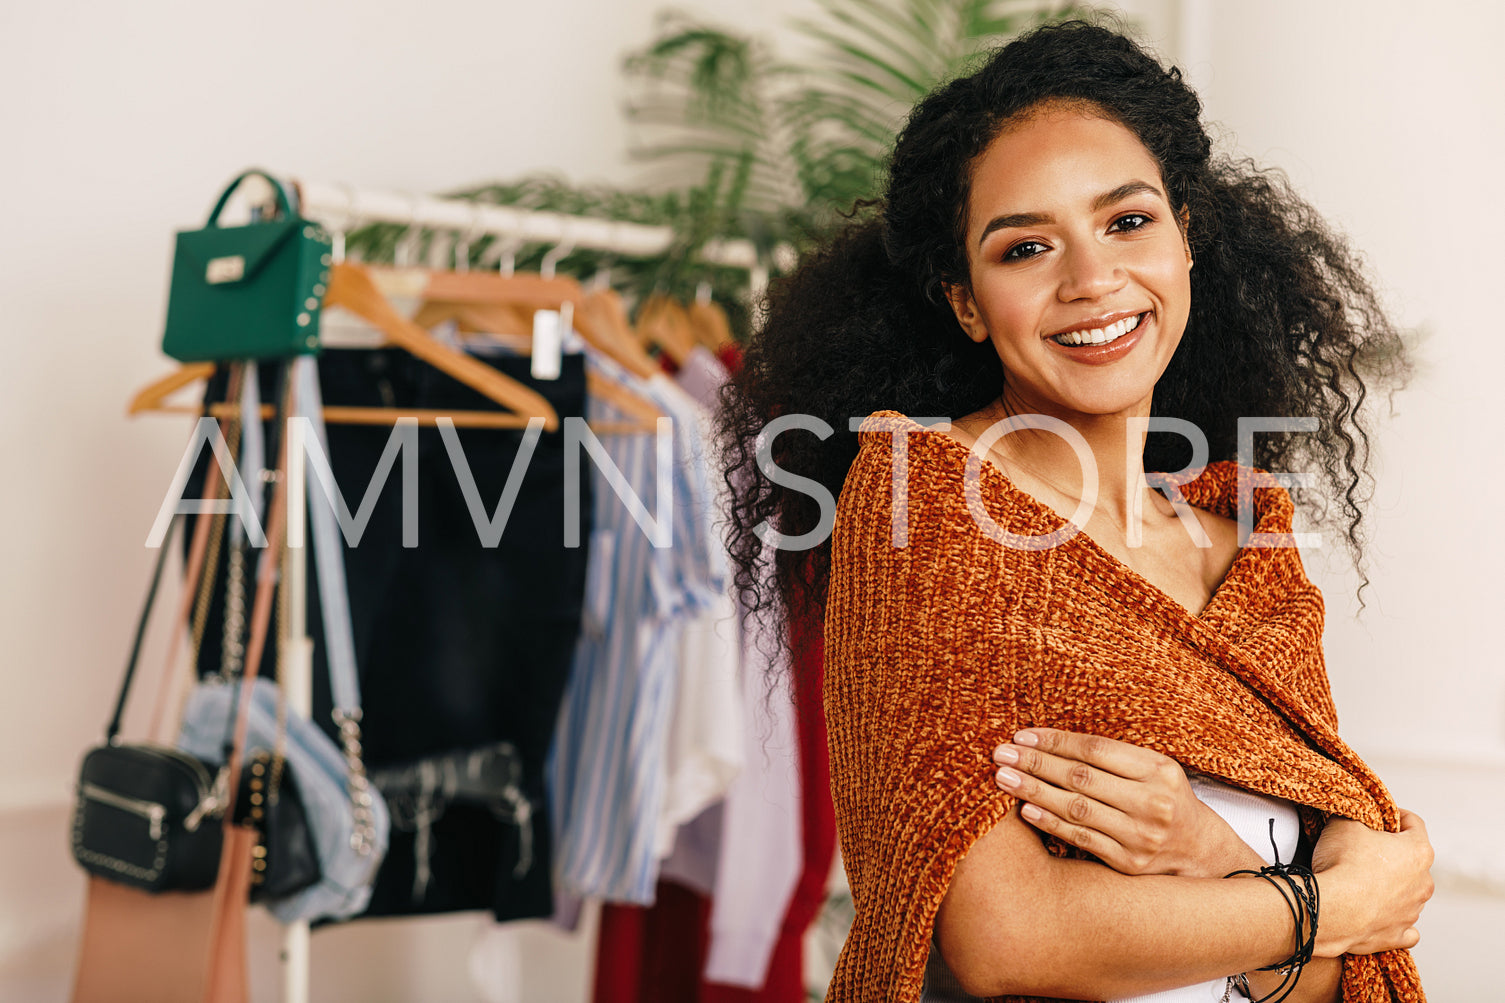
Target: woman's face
{"points": [[1080, 273]]}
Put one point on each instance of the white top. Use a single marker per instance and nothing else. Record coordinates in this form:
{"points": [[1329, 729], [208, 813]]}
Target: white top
{"points": [[1247, 813], [761, 853], [705, 744]]}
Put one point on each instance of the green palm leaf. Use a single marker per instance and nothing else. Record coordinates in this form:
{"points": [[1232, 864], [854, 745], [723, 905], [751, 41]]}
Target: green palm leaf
{"points": [[826, 126]]}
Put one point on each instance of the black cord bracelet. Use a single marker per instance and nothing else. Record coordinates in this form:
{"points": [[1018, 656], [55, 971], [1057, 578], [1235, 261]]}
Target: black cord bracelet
{"points": [[1297, 886]]}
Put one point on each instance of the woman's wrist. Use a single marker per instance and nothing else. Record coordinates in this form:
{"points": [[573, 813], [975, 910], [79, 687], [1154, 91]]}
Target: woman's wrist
{"points": [[1287, 978], [1335, 932]]}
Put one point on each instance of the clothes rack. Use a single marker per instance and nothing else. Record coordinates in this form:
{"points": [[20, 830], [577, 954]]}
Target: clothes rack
{"points": [[341, 208]]}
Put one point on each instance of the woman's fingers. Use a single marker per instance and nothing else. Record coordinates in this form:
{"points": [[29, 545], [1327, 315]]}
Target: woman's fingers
{"points": [[1078, 834], [1131, 762], [1075, 776], [1083, 821], [1132, 807], [1412, 823], [1076, 806]]}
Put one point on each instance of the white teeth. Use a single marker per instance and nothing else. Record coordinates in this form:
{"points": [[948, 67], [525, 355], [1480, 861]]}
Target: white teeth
{"points": [[1099, 335]]}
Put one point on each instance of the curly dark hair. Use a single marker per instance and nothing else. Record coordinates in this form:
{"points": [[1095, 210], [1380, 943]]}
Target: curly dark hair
{"points": [[1282, 321]]}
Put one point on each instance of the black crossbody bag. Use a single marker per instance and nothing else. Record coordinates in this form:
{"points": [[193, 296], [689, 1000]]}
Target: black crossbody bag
{"points": [[148, 815]]}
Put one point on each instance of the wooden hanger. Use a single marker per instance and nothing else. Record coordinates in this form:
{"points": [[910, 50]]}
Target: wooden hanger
{"points": [[710, 326], [477, 318], [664, 323], [604, 313], [352, 288], [153, 396], [503, 304], [599, 315], [509, 322], [644, 412], [531, 291]]}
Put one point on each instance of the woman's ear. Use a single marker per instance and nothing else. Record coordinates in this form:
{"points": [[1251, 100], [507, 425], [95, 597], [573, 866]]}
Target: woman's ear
{"points": [[965, 308]]}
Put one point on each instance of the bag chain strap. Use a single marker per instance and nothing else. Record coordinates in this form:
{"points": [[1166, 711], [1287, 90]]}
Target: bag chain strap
{"points": [[260, 617], [279, 751], [363, 835], [363, 838], [265, 788], [233, 646], [219, 795]]}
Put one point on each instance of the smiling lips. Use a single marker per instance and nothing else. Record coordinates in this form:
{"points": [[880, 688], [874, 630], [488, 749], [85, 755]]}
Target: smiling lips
{"points": [[1099, 335]]}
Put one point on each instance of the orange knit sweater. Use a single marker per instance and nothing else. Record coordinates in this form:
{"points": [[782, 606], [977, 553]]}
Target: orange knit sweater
{"points": [[937, 651]]}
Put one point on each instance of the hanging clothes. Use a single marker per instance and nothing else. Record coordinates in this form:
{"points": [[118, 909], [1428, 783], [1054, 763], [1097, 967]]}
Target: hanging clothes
{"points": [[782, 850], [707, 745], [460, 646], [658, 954], [607, 769], [783, 980]]}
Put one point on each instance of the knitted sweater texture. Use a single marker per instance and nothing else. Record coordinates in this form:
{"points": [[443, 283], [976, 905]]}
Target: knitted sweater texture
{"points": [[938, 650]]}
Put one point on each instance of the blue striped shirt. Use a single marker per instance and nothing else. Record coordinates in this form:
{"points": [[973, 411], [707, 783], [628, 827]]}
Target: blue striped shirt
{"points": [[606, 771]]}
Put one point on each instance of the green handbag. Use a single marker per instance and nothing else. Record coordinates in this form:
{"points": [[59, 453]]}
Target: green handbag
{"points": [[247, 292]]}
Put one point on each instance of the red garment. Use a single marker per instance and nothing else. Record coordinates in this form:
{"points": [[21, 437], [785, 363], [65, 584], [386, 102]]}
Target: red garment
{"points": [[730, 355], [648, 954], [656, 954], [619, 953]]}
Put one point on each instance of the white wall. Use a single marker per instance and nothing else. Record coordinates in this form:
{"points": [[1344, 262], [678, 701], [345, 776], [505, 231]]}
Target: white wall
{"points": [[118, 122], [1387, 116], [1390, 121]]}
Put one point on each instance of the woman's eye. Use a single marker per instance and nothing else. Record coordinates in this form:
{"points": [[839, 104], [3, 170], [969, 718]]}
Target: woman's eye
{"points": [[1132, 221], [1028, 249]]}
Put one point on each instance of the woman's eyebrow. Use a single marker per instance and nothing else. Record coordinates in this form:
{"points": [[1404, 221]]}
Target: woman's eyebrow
{"points": [[1016, 220]]}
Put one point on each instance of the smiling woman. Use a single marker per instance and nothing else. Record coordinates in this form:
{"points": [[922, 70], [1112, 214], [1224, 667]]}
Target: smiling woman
{"points": [[1084, 296], [1084, 305]]}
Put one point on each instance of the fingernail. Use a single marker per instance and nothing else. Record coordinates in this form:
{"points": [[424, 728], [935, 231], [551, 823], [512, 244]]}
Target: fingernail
{"points": [[1008, 778], [1026, 738], [1032, 813], [1004, 754]]}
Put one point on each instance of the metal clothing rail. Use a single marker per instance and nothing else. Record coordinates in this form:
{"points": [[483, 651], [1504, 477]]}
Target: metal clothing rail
{"points": [[341, 207]]}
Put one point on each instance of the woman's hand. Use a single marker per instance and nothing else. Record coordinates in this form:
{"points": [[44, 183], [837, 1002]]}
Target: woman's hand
{"points": [[1130, 807], [1373, 885]]}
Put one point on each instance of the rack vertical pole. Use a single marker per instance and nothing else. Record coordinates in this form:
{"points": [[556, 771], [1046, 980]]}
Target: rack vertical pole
{"points": [[298, 685]]}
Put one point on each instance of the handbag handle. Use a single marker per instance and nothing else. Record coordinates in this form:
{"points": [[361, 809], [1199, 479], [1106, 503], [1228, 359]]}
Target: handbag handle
{"points": [[113, 729], [334, 593], [339, 637], [194, 568], [285, 201]]}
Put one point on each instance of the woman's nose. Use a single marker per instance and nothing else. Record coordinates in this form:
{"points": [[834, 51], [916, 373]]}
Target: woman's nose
{"points": [[1089, 271]]}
